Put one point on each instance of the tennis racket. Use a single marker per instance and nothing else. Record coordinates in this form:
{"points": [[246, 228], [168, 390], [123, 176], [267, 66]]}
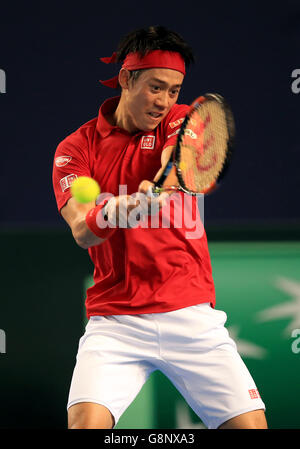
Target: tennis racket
{"points": [[203, 149]]}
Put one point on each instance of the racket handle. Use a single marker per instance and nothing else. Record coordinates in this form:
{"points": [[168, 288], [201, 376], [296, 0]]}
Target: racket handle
{"points": [[157, 188], [153, 191]]}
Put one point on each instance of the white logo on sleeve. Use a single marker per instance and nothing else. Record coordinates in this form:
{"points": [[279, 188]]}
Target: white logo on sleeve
{"points": [[190, 133], [174, 134], [61, 161], [66, 182], [176, 123]]}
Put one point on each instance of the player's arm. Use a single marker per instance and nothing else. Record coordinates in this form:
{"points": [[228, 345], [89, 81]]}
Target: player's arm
{"points": [[74, 214], [116, 211]]}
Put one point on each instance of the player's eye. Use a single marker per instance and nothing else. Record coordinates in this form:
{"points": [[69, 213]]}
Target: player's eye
{"points": [[155, 88], [173, 93]]}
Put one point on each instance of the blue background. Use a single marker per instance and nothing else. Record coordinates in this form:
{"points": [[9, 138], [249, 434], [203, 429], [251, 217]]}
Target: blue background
{"points": [[245, 50]]}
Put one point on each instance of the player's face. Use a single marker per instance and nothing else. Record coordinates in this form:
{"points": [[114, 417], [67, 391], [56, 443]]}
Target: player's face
{"points": [[151, 96]]}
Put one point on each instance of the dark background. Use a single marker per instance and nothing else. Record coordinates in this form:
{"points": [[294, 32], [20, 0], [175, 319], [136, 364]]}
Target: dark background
{"points": [[50, 53], [245, 50]]}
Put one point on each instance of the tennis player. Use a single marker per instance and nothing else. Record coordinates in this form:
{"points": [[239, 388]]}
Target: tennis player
{"points": [[152, 305]]}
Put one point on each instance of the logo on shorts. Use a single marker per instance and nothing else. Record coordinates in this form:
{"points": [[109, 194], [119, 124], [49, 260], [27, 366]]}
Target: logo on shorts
{"points": [[61, 161], [254, 394], [66, 182], [176, 123], [148, 142]]}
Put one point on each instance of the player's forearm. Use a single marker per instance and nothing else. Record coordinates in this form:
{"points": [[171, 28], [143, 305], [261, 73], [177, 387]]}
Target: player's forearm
{"points": [[83, 236], [85, 223]]}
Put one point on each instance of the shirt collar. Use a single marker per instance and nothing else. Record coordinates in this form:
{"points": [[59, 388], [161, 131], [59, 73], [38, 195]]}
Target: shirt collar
{"points": [[103, 126]]}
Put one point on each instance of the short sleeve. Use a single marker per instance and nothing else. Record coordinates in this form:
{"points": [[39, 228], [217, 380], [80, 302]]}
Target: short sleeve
{"points": [[70, 161], [173, 123]]}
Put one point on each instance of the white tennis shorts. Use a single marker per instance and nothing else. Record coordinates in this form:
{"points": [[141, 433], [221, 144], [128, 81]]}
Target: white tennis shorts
{"points": [[190, 346]]}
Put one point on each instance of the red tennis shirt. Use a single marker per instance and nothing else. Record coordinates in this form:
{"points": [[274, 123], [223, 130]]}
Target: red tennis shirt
{"points": [[158, 266]]}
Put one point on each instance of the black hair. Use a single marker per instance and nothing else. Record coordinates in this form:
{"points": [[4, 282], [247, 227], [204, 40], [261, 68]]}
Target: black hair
{"points": [[144, 40], [157, 37]]}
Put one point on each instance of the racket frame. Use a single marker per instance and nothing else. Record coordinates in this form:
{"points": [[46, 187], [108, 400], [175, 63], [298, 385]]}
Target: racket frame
{"points": [[175, 156]]}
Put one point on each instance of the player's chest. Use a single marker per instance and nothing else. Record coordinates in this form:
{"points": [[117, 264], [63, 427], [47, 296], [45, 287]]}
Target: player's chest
{"points": [[120, 159]]}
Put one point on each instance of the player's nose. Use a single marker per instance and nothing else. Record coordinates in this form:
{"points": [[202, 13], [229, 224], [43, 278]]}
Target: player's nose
{"points": [[162, 101]]}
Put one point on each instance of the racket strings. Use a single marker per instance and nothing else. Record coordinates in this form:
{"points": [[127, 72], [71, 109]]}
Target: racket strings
{"points": [[204, 146]]}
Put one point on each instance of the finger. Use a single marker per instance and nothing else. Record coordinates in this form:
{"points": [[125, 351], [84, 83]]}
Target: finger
{"points": [[145, 186]]}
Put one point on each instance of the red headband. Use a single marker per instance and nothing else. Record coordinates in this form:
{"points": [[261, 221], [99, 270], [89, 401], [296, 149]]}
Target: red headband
{"points": [[154, 59]]}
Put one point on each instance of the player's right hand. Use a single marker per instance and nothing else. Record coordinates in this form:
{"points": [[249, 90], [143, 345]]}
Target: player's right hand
{"points": [[118, 208], [126, 211]]}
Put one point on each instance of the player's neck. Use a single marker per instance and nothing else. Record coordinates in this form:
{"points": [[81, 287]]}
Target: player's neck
{"points": [[122, 119]]}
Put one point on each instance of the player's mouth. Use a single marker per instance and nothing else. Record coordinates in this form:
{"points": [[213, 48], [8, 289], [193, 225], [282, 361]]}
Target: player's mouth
{"points": [[155, 115]]}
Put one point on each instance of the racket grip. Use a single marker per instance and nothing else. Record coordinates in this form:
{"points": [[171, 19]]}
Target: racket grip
{"points": [[153, 191], [157, 188]]}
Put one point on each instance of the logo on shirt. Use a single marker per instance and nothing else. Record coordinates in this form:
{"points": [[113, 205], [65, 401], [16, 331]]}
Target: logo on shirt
{"points": [[174, 133], [148, 142], [176, 123], [254, 394], [66, 182], [190, 133], [61, 161]]}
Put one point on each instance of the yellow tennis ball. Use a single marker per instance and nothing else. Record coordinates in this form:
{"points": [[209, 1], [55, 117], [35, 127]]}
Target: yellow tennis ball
{"points": [[85, 189], [182, 165]]}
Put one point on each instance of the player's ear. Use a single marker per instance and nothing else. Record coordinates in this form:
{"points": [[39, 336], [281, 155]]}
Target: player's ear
{"points": [[124, 76]]}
